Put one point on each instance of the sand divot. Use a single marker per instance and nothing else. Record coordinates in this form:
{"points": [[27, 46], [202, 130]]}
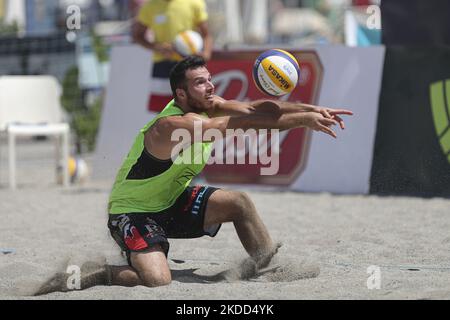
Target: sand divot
{"points": [[288, 269], [93, 273], [281, 268]]}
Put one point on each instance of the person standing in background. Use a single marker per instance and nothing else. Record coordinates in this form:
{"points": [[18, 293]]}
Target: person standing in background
{"points": [[2, 9], [165, 19]]}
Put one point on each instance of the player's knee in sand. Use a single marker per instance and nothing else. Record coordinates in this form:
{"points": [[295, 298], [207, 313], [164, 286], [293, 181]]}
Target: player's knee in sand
{"points": [[151, 280]]}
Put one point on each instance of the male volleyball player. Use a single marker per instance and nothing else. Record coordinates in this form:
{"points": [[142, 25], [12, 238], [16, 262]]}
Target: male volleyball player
{"points": [[152, 199]]}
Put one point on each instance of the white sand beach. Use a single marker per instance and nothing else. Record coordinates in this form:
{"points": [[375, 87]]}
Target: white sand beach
{"points": [[46, 228]]}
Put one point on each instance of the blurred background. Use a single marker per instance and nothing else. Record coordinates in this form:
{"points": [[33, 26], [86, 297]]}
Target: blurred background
{"points": [[382, 59], [35, 39]]}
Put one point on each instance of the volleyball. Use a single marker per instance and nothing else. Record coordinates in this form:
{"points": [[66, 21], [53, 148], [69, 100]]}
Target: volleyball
{"points": [[188, 43], [276, 72], [78, 171]]}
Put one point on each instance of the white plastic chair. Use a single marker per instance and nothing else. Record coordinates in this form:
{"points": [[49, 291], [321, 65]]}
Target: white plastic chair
{"points": [[30, 106]]}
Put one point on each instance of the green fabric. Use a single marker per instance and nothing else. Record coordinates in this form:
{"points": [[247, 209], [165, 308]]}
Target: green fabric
{"points": [[160, 192], [439, 93]]}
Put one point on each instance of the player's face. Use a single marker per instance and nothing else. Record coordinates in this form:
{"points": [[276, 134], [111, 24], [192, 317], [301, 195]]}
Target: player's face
{"points": [[200, 90]]}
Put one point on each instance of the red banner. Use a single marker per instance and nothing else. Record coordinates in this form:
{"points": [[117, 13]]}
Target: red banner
{"points": [[232, 76]]}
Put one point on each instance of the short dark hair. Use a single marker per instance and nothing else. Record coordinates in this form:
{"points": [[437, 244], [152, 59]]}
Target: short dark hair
{"points": [[178, 72]]}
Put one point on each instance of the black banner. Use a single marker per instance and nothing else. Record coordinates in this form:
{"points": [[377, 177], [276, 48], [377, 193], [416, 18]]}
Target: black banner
{"points": [[212, 309], [412, 147], [415, 22]]}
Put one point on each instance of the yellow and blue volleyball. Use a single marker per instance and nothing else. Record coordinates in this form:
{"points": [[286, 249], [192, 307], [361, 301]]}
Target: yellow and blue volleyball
{"points": [[276, 72], [78, 171]]}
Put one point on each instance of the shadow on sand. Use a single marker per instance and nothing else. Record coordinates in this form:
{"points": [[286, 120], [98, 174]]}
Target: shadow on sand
{"points": [[242, 272], [189, 276]]}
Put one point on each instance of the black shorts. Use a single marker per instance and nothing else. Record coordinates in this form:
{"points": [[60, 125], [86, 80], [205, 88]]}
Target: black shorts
{"points": [[139, 232]]}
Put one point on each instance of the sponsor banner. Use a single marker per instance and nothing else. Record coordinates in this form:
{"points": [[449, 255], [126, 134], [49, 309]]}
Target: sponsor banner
{"points": [[412, 149], [333, 76], [125, 111], [415, 22], [232, 77], [160, 92]]}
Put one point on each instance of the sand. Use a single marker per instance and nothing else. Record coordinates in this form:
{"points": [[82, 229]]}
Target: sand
{"points": [[329, 242]]}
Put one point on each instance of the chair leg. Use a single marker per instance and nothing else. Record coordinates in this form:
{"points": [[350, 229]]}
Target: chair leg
{"points": [[12, 160], [58, 156], [65, 158]]}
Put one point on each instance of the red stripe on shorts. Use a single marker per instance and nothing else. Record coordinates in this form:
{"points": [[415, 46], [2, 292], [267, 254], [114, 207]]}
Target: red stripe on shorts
{"points": [[135, 241], [192, 198]]}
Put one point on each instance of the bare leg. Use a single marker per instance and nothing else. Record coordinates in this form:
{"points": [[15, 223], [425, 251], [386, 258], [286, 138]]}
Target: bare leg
{"points": [[149, 269], [152, 268], [237, 207], [124, 276], [92, 274]]}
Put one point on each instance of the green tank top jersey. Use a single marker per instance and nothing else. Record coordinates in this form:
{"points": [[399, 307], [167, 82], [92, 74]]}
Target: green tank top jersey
{"points": [[159, 192]]}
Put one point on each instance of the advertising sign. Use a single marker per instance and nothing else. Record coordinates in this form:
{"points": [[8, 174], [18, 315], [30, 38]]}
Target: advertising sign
{"points": [[232, 76], [331, 76], [412, 148]]}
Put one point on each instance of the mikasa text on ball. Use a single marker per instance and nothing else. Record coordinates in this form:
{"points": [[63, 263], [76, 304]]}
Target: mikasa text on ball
{"points": [[188, 43], [276, 72]]}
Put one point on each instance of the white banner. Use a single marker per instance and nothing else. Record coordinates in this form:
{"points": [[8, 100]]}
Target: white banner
{"points": [[124, 109], [352, 80]]}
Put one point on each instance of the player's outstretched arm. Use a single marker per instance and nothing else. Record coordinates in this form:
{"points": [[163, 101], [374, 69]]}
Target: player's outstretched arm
{"points": [[224, 107], [267, 120], [163, 136], [295, 107], [277, 108]]}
